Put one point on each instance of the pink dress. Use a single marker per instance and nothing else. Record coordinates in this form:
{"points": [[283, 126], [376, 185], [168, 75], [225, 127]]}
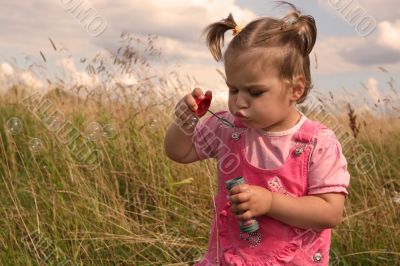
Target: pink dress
{"points": [[304, 160]]}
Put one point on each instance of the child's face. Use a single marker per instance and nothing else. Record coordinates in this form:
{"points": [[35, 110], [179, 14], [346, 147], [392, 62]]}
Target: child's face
{"points": [[257, 92]]}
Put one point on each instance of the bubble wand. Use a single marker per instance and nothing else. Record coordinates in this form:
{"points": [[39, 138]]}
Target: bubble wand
{"points": [[202, 108]]}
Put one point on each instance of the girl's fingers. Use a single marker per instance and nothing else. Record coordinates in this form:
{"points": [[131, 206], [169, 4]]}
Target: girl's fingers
{"points": [[198, 93], [244, 216], [187, 106], [239, 208], [240, 197], [239, 189], [191, 102]]}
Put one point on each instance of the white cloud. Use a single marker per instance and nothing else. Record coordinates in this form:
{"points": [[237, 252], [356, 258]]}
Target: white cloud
{"points": [[173, 48], [389, 34], [354, 53], [329, 58], [372, 85], [6, 76], [128, 80], [74, 76], [6, 70], [343, 54], [381, 48], [30, 81]]}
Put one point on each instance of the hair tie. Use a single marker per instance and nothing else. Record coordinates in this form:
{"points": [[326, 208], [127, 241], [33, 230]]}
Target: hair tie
{"points": [[237, 30]]}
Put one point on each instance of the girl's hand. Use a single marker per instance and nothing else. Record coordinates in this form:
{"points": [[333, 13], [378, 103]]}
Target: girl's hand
{"points": [[250, 201], [186, 108]]}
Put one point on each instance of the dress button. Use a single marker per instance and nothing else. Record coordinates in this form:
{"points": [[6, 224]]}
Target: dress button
{"points": [[235, 135], [317, 257], [298, 151], [224, 213]]}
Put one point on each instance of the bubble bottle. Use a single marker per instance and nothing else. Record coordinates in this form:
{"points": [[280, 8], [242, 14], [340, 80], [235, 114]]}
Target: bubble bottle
{"points": [[249, 230]]}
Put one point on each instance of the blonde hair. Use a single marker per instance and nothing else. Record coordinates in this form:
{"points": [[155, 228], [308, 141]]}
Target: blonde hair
{"points": [[295, 34]]}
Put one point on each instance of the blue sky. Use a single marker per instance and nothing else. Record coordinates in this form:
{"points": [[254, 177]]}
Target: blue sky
{"points": [[345, 57]]}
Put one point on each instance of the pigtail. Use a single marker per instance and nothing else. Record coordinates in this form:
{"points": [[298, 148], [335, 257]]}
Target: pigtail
{"points": [[215, 35], [302, 27], [307, 32]]}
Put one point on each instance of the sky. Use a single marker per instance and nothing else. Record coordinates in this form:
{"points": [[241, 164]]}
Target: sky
{"points": [[350, 49]]}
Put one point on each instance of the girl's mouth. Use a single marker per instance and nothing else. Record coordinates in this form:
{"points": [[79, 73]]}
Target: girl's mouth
{"points": [[240, 115]]}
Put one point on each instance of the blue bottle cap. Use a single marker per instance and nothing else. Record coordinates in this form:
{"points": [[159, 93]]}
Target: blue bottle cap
{"points": [[234, 182]]}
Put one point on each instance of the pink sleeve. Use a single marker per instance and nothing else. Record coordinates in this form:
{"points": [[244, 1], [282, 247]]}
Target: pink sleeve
{"points": [[205, 137], [328, 166]]}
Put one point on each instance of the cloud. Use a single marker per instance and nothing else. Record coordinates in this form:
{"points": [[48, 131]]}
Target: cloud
{"points": [[6, 70], [182, 21], [6, 76], [381, 48], [355, 53], [389, 34], [176, 49], [372, 85], [30, 81], [329, 58], [178, 25], [75, 77]]}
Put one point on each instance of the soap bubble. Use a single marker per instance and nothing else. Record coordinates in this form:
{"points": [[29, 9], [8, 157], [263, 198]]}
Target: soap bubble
{"points": [[152, 123], [94, 131], [14, 125], [109, 131], [35, 145]]}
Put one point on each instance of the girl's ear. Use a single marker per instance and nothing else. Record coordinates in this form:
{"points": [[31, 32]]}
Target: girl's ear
{"points": [[298, 87]]}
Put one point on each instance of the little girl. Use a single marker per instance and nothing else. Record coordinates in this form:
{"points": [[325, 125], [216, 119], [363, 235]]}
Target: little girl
{"points": [[294, 170]]}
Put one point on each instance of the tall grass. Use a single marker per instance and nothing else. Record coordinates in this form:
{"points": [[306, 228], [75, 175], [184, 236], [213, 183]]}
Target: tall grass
{"points": [[140, 208]]}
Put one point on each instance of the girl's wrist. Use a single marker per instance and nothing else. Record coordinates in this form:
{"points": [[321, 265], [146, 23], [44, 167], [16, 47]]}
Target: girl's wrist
{"points": [[269, 202]]}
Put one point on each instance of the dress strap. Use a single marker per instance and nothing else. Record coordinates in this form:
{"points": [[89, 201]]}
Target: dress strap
{"points": [[307, 131]]}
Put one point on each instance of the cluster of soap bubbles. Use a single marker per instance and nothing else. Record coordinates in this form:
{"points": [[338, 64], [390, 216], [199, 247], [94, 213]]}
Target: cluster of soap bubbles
{"points": [[95, 132], [14, 127]]}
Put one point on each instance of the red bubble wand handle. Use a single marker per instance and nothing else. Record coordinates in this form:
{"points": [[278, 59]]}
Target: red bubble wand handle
{"points": [[203, 106]]}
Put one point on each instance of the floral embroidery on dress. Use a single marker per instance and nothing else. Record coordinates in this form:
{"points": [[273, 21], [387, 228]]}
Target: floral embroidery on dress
{"points": [[275, 185]]}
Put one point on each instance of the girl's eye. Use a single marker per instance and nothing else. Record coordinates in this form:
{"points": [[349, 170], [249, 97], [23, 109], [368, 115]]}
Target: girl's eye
{"points": [[232, 91], [256, 93]]}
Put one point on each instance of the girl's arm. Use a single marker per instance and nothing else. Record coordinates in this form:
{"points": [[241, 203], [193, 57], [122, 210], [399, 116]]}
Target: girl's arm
{"points": [[178, 142], [314, 211]]}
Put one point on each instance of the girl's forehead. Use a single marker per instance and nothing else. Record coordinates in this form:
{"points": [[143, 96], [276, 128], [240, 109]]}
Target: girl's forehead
{"points": [[258, 59], [255, 65]]}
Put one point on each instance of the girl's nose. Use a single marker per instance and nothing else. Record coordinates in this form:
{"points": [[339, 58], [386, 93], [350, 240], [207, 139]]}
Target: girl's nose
{"points": [[241, 101]]}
